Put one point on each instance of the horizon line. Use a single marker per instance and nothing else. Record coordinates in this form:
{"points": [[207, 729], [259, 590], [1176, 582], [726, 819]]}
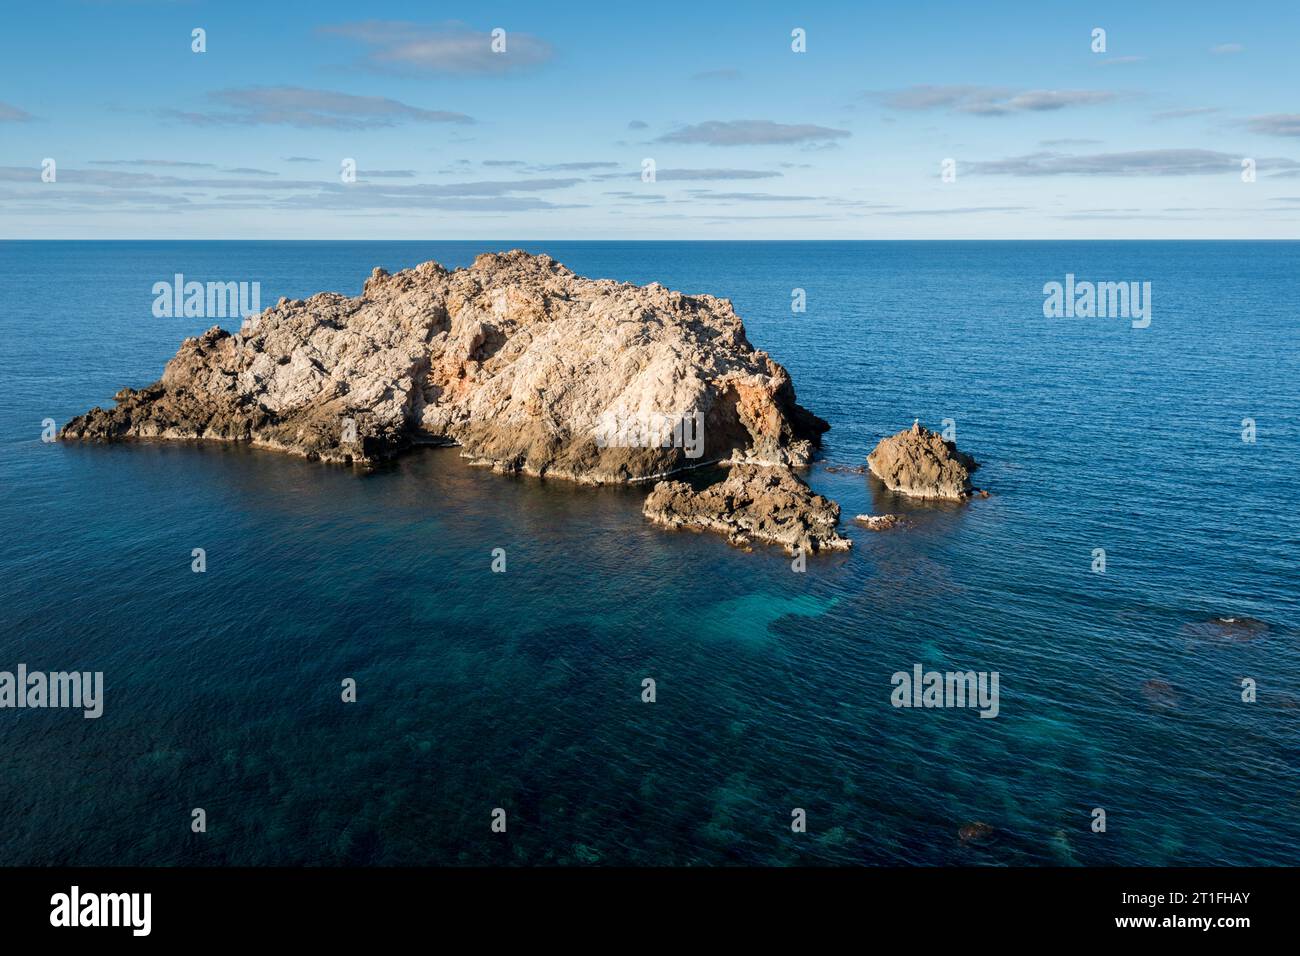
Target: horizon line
{"points": [[700, 241]]}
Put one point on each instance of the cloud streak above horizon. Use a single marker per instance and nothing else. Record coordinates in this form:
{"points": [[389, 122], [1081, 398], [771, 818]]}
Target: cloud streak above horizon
{"points": [[1147, 162], [990, 100], [451, 47], [12, 114], [752, 133], [310, 108], [1275, 124]]}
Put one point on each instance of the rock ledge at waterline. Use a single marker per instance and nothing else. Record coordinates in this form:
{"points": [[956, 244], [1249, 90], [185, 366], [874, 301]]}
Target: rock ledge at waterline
{"points": [[754, 505], [526, 366]]}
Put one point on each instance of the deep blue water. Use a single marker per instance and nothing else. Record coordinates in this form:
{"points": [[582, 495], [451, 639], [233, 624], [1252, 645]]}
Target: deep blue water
{"points": [[522, 690]]}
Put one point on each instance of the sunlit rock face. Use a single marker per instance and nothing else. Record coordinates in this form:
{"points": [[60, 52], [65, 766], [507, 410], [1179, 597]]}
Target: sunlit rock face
{"points": [[920, 463], [524, 365]]}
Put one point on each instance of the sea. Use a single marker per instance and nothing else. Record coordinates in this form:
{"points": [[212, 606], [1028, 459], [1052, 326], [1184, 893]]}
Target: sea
{"points": [[1132, 580]]}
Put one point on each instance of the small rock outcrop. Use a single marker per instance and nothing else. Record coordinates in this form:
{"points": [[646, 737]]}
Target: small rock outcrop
{"points": [[920, 463], [976, 832], [754, 504], [526, 366], [878, 522]]}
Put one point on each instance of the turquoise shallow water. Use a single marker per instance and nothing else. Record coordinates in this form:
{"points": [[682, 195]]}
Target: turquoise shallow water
{"points": [[522, 690]]}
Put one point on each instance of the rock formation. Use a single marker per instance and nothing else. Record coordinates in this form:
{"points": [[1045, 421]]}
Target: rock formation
{"points": [[754, 504], [920, 463], [878, 522], [975, 832], [524, 365]]}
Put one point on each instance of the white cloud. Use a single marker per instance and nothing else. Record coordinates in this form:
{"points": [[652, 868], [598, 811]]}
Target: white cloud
{"points": [[450, 47]]}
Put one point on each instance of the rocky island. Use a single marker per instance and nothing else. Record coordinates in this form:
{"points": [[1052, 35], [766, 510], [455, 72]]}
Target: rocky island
{"points": [[525, 366], [922, 464]]}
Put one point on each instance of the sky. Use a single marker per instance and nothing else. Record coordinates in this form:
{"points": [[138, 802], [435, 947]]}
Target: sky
{"points": [[1041, 135]]}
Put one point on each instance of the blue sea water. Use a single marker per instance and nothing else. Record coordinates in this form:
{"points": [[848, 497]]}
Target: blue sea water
{"points": [[522, 690]]}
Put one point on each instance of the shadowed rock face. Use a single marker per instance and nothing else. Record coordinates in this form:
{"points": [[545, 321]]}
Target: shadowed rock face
{"points": [[918, 462], [526, 366], [754, 504]]}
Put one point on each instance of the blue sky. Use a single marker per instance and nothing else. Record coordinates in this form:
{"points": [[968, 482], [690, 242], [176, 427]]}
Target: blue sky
{"points": [[749, 138]]}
